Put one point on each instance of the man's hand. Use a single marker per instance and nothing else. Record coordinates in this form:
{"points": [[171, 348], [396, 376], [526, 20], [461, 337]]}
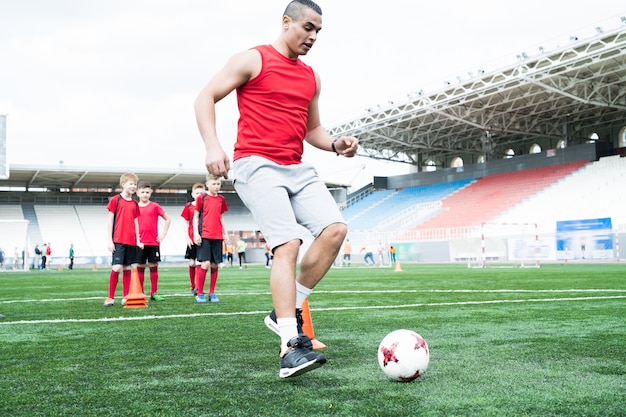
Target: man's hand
{"points": [[347, 146], [217, 162]]}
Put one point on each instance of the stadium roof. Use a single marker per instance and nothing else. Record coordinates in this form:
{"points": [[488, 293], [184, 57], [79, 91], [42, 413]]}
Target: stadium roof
{"points": [[565, 93], [56, 177], [59, 177]]}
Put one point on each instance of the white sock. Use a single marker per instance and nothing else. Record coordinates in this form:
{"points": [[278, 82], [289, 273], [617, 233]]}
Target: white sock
{"points": [[288, 330], [302, 293]]}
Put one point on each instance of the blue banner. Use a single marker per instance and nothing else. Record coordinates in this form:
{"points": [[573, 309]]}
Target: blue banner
{"points": [[584, 239]]}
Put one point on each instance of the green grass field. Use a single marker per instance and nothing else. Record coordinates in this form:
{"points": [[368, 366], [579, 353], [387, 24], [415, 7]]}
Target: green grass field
{"points": [[503, 342]]}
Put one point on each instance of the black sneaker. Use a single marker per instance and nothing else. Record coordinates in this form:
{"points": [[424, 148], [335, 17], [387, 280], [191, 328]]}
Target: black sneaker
{"points": [[299, 358], [272, 324]]}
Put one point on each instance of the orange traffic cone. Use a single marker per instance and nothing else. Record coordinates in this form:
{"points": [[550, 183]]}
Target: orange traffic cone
{"points": [[398, 268], [307, 326], [95, 268], [60, 268], [135, 298]]}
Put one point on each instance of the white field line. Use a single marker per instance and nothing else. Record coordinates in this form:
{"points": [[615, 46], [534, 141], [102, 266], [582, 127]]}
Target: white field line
{"points": [[416, 305], [572, 290]]}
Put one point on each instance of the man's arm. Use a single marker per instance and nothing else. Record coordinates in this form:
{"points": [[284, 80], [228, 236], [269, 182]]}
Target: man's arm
{"points": [[237, 71]]}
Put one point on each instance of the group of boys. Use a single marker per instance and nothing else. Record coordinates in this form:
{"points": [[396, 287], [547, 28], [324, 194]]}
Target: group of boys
{"points": [[206, 234], [135, 239]]}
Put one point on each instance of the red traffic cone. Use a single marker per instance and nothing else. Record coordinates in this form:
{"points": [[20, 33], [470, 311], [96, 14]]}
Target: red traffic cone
{"points": [[307, 326], [135, 298]]}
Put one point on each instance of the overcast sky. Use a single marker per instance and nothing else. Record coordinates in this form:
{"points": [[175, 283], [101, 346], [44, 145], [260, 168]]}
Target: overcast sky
{"points": [[111, 83]]}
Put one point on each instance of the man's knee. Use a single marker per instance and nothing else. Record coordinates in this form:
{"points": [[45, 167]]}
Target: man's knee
{"points": [[336, 232], [288, 249]]}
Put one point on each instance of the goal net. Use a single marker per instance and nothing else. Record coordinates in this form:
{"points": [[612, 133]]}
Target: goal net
{"points": [[14, 244], [503, 245]]}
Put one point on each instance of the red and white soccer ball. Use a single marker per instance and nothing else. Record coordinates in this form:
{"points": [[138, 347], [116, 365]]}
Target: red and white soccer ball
{"points": [[403, 355]]}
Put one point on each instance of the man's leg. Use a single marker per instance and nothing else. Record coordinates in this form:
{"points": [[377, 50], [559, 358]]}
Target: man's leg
{"points": [[321, 255], [296, 356], [283, 279]]}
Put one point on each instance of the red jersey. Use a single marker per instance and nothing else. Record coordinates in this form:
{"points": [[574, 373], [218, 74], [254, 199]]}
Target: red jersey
{"points": [[126, 211], [149, 223], [211, 208], [187, 214], [274, 108]]}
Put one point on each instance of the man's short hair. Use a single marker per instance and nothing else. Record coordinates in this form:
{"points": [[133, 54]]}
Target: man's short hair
{"points": [[295, 9]]}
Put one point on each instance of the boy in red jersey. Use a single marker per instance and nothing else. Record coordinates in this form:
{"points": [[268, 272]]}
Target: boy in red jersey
{"points": [[192, 249], [277, 96], [149, 213], [209, 234], [123, 232]]}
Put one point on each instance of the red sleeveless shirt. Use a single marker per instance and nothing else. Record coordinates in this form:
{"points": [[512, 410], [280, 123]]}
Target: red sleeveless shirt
{"points": [[273, 109]]}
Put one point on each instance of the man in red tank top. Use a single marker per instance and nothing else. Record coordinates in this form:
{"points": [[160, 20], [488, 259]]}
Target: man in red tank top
{"points": [[277, 96]]}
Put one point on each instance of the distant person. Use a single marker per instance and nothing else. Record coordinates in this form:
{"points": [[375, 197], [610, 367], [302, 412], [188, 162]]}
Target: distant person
{"points": [[369, 255], [392, 254], [16, 258], [123, 235], [191, 249], [71, 256], [268, 255], [149, 213], [229, 253], [44, 256], [37, 257], [209, 233], [224, 255], [241, 252], [277, 96], [48, 256], [347, 252], [380, 250], [2, 258]]}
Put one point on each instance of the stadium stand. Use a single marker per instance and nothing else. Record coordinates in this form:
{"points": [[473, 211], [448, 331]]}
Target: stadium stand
{"points": [[595, 191], [542, 196], [489, 196], [60, 226], [384, 210]]}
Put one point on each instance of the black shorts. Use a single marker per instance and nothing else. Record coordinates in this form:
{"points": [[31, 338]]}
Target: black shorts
{"points": [[124, 254], [191, 252], [152, 254], [210, 250]]}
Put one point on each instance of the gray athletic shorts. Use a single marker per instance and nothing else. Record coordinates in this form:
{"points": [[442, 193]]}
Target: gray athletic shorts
{"points": [[287, 201]]}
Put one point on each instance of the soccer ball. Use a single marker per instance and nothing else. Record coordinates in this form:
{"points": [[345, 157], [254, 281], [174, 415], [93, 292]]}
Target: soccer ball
{"points": [[403, 355]]}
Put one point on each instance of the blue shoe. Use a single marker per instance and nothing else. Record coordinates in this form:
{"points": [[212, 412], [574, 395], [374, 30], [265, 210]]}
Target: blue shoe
{"points": [[213, 298], [200, 298]]}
